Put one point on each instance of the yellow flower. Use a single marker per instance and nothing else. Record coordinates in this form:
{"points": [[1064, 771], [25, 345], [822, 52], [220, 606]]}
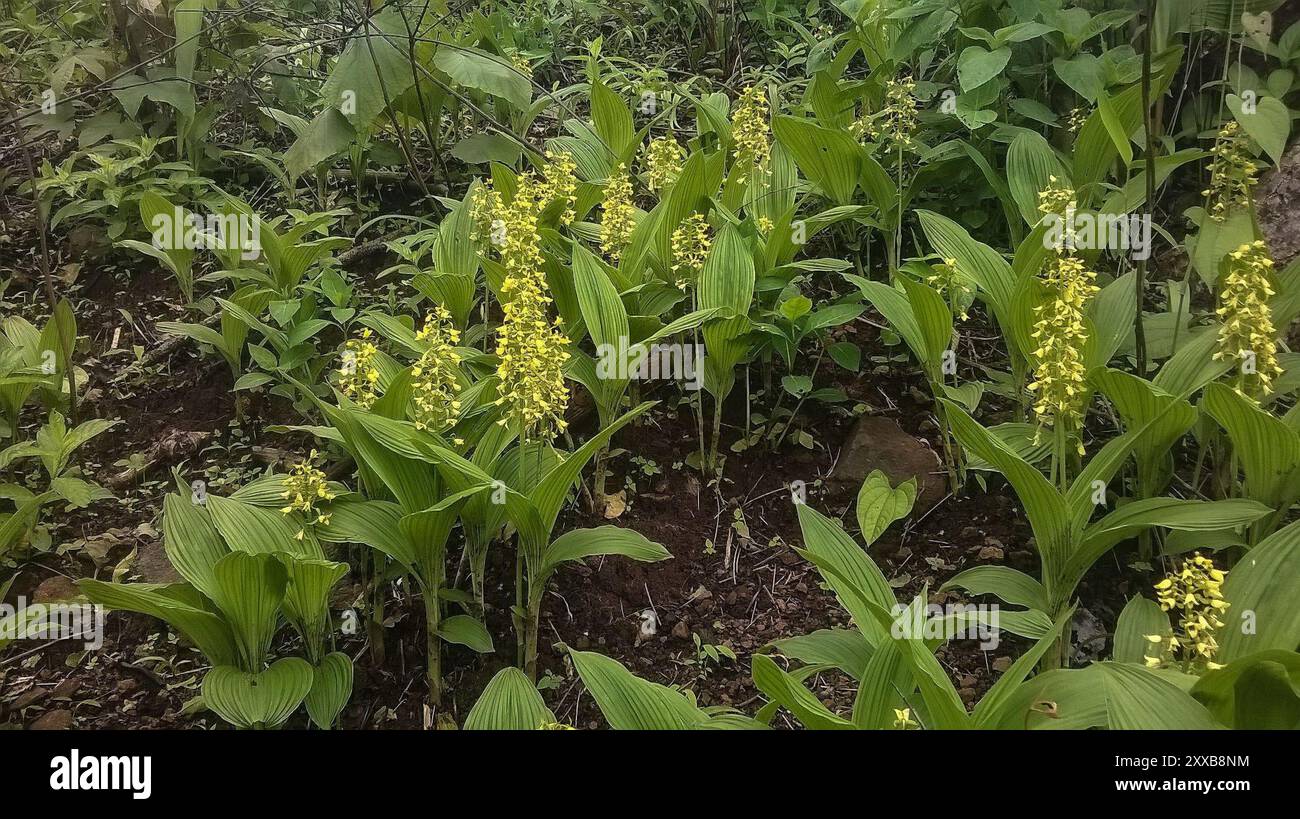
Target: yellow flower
{"points": [[1232, 173], [903, 719], [1195, 592], [663, 162], [1247, 333], [560, 183], [620, 215], [357, 376], [950, 286], [1057, 200], [749, 129], [305, 487], [893, 126], [521, 64], [435, 378], [690, 246], [555, 726], [1076, 119], [1060, 331]]}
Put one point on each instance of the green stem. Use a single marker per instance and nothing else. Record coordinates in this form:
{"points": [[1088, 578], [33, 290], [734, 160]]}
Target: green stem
{"points": [[432, 618]]}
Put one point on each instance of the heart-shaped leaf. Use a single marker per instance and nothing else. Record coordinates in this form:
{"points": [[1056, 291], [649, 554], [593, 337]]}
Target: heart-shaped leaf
{"points": [[977, 65], [880, 504], [265, 700], [1266, 120]]}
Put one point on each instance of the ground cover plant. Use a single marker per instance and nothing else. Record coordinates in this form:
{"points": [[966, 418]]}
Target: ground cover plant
{"points": [[536, 364]]}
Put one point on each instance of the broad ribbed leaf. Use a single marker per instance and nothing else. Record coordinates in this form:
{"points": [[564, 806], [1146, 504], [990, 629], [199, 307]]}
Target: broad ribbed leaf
{"points": [[192, 543], [1012, 586], [577, 544], [1269, 450], [307, 595], [1257, 692], [1031, 163], [371, 523], [991, 273], [510, 702], [331, 688], [464, 630], [881, 688], [896, 309], [1264, 609], [249, 589], [845, 649], [856, 580], [206, 630], [551, 491], [1044, 506], [630, 703], [1170, 513], [1139, 700], [258, 530], [1139, 402], [991, 708], [790, 694], [1140, 618], [829, 158], [266, 699], [726, 284]]}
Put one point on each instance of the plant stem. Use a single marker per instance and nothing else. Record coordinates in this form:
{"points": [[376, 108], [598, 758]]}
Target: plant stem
{"points": [[432, 618], [1141, 279], [375, 624]]}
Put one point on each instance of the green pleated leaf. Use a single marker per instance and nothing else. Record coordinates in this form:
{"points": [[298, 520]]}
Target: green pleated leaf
{"points": [[880, 689], [265, 699], [1170, 513], [510, 702], [464, 630], [307, 596], [1259, 692], [829, 158], [209, 632], [372, 523], [1012, 586], [991, 273], [1139, 700], [845, 566], [1268, 449], [577, 544], [630, 703], [1031, 163], [1139, 403], [896, 309], [791, 695], [726, 284], [548, 496], [248, 590], [845, 649], [192, 543], [331, 688], [992, 707], [1264, 610], [258, 530], [1141, 617], [1044, 506]]}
